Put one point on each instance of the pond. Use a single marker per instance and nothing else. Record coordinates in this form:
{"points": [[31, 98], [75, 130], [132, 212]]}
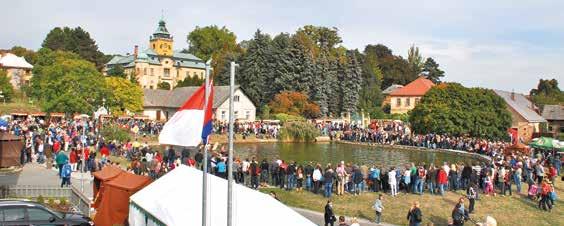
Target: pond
{"points": [[335, 152]]}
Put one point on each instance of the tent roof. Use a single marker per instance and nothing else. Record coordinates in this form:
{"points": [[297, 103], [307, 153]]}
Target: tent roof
{"points": [[176, 199], [8, 136], [129, 181], [11, 60], [107, 173]]}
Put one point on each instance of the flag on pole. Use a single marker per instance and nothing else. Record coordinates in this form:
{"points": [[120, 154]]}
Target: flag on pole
{"points": [[186, 127], [208, 113]]}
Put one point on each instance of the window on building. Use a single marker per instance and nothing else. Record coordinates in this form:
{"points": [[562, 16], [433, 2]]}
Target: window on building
{"points": [[152, 71], [154, 46], [407, 102], [166, 61], [398, 102], [417, 100], [236, 115], [195, 74], [202, 74], [236, 98], [247, 115], [166, 72], [187, 74], [136, 70], [144, 71], [223, 115]]}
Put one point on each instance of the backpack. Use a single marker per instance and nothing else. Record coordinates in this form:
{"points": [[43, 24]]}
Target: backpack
{"points": [[66, 172]]}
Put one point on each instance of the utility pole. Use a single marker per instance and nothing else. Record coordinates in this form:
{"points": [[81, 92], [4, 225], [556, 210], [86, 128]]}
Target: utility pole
{"points": [[205, 159], [230, 167]]}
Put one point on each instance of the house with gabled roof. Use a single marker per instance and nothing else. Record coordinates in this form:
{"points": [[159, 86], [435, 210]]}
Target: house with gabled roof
{"points": [[17, 69], [554, 114], [404, 99], [162, 104], [525, 120]]}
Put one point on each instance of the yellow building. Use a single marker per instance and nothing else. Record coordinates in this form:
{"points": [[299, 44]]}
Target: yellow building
{"points": [[159, 63], [404, 99]]}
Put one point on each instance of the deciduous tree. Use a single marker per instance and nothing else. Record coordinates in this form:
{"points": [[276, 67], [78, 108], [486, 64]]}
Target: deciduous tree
{"points": [[124, 96]]}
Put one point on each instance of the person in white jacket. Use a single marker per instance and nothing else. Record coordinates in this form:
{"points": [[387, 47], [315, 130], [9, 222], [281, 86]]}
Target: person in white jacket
{"points": [[392, 181]]}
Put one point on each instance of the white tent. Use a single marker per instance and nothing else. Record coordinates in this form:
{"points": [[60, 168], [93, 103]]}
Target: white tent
{"points": [[176, 199]]}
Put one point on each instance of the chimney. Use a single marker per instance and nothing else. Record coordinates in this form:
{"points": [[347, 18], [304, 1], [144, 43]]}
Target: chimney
{"points": [[135, 51], [513, 95]]}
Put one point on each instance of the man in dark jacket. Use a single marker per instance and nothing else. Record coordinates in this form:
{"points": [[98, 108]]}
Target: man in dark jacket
{"points": [[308, 170], [466, 173], [328, 178], [414, 216], [459, 213], [329, 215]]}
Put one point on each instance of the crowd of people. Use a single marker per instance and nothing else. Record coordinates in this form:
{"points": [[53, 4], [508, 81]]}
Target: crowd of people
{"points": [[67, 142]]}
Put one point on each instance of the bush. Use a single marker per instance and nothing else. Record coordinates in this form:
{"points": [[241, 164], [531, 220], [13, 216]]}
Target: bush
{"points": [[40, 199], [51, 201], [63, 202], [287, 118], [298, 131], [115, 133]]}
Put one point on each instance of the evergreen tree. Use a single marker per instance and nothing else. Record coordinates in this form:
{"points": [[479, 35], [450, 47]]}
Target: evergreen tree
{"points": [[75, 40], [431, 68], [352, 83], [255, 75]]}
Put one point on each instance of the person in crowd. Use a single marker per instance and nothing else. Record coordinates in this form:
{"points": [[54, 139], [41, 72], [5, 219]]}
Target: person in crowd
{"points": [[544, 202], [329, 216], [354, 222], [264, 168], [61, 158], [392, 182], [300, 178], [415, 216], [378, 208], [357, 179], [459, 213], [317, 178], [442, 180], [328, 179], [471, 194], [66, 171], [342, 221], [221, 169], [341, 175]]}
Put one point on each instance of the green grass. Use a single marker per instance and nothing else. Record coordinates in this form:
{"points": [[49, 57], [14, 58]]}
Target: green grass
{"points": [[514, 210], [18, 104]]}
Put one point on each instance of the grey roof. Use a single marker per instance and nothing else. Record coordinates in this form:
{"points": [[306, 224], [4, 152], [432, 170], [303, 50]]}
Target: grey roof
{"points": [[149, 56], [521, 105], [391, 88], [176, 97], [553, 112]]}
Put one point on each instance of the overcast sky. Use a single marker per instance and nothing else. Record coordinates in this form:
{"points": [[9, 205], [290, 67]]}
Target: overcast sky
{"points": [[498, 44]]}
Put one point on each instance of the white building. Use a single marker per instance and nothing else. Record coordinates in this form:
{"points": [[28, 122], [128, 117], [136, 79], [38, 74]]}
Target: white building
{"points": [[17, 68], [162, 104]]}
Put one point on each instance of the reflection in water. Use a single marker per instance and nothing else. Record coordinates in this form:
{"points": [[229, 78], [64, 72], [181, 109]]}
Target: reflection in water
{"points": [[335, 152]]}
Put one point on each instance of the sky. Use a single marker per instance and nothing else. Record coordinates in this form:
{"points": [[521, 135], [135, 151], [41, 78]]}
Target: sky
{"points": [[502, 44]]}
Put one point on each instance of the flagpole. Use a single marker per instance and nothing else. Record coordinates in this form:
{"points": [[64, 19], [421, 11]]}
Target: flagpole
{"points": [[230, 166], [205, 159]]}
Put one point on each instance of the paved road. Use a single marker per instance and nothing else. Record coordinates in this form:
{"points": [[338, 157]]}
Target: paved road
{"points": [[318, 219], [38, 174]]}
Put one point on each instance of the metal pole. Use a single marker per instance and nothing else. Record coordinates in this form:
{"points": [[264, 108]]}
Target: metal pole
{"points": [[230, 166], [205, 159], [83, 164]]}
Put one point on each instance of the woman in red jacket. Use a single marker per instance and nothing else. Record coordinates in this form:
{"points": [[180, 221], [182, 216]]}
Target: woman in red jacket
{"points": [[442, 180], [73, 159]]}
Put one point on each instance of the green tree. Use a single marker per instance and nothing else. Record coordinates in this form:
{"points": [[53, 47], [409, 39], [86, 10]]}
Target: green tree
{"points": [[28, 54], [63, 82], [5, 86], [456, 110], [75, 40], [254, 73], [117, 71], [394, 69], [191, 81], [125, 96], [163, 85], [371, 93], [547, 92], [431, 68], [352, 83], [216, 43], [415, 59]]}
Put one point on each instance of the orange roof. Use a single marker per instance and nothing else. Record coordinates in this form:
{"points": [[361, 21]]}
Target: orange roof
{"points": [[418, 87]]}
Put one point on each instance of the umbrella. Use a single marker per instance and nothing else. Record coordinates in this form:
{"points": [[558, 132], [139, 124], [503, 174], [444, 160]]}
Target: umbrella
{"points": [[3, 124], [547, 143]]}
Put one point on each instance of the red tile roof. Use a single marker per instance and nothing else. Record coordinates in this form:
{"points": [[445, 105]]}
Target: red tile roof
{"points": [[418, 87]]}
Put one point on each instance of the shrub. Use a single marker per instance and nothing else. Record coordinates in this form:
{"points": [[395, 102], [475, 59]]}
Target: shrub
{"points": [[40, 199], [298, 131], [287, 118], [115, 133], [63, 202], [51, 201]]}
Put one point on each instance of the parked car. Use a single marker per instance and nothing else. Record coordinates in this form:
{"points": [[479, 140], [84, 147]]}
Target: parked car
{"points": [[21, 212]]}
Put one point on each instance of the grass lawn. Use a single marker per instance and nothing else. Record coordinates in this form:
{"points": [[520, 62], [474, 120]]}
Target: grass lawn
{"points": [[515, 210], [18, 105]]}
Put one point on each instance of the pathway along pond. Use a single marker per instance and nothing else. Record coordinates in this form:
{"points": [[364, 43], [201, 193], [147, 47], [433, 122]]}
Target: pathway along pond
{"points": [[335, 152]]}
